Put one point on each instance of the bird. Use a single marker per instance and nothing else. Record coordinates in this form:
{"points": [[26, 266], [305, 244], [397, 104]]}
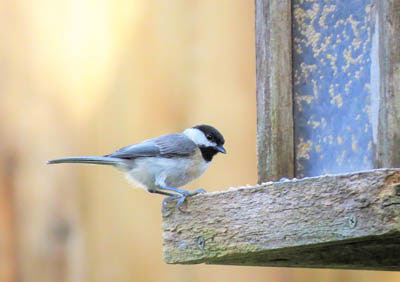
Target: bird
{"points": [[164, 163]]}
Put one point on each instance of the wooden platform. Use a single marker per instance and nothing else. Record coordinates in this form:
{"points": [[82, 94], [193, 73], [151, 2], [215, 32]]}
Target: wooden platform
{"points": [[349, 221]]}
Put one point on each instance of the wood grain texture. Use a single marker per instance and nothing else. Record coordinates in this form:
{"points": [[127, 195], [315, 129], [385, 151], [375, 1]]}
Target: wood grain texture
{"points": [[349, 221], [388, 150], [274, 89]]}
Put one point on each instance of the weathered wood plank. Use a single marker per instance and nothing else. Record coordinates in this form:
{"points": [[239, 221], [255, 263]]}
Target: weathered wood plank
{"points": [[274, 90], [388, 150], [339, 221]]}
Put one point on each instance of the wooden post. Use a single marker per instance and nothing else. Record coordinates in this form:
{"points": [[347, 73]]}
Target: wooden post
{"points": [[274, 90], [349, 221], [388, 149]]}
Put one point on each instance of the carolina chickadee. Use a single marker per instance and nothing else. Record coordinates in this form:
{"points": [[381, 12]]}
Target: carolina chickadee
{"points": [[162, 164]]}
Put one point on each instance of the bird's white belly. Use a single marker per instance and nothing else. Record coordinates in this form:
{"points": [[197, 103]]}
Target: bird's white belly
{"points": [[150, 173]]}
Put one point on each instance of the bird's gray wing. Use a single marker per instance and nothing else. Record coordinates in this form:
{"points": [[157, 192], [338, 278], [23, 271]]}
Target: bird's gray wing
{"points": [[144, 149], [167, 146], [175, 145]]}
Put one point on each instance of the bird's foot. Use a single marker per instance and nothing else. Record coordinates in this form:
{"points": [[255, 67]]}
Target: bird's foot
{"points": [[183, 197], [181, 194], [164, 209], [198, 191]]}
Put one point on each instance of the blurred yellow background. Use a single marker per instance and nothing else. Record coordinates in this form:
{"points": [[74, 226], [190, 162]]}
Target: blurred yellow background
{"points": [[81, 77]]}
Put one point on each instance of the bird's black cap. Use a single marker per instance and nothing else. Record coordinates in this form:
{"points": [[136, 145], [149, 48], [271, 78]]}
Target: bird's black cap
{"points": [[211, 133]]}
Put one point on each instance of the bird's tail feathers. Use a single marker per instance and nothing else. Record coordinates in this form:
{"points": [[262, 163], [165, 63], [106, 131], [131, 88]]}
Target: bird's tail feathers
{"points": [[89, 160]]}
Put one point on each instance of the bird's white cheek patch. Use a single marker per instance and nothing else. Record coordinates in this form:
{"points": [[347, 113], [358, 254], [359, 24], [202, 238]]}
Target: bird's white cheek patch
{"points": [[198, 137]]}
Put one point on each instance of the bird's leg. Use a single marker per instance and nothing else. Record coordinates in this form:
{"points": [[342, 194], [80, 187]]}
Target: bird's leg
{"points": [[184, 194], [173, 189], [163, 193], [170, 195]]}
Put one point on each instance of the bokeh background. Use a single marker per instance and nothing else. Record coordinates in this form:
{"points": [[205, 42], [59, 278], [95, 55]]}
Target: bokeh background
{"points": [[87, 77]]}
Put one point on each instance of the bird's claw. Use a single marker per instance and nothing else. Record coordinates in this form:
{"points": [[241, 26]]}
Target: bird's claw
{"points": [[165, 211], [198, 191], [188, 194], [181, 199], [164, 202], [180, 202]]}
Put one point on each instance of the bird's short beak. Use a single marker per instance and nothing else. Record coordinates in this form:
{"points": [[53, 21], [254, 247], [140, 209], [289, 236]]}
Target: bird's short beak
{"points": [[221, 149]]}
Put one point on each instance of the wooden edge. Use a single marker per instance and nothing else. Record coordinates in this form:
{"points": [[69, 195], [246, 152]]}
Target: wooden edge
{"points": [[275, 147], [387, 133], [347, 221]]}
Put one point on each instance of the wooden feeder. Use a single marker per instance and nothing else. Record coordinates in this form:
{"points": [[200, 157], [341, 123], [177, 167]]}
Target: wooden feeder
{"points": [[328, 90]]}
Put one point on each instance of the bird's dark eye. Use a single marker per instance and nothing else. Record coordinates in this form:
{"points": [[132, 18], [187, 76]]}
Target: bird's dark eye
{"points": [[209, 137]]}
